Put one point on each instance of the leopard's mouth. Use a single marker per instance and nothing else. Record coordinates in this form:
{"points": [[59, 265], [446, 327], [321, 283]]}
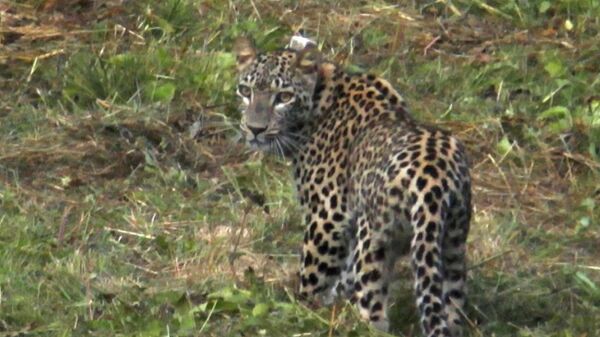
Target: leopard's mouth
{"points": [[256, 144], [270, 145]]}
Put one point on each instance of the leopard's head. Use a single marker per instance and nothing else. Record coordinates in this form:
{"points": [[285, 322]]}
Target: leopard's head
{"points": [[276, 91]]}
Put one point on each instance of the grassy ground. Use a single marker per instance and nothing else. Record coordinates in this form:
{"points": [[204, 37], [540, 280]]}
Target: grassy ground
{"points": [[127, 208]]}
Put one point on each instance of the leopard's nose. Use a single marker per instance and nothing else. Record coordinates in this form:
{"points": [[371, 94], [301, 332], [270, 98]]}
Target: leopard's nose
{"points": [[256, 131]]}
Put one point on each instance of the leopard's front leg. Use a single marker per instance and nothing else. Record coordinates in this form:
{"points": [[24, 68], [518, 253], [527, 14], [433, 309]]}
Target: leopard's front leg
{"points": [[325, 249], [324, 255]]}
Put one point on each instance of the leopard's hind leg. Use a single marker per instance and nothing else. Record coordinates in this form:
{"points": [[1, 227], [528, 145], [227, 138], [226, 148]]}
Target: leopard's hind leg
{"points": [[453, 252], [427, 264]]}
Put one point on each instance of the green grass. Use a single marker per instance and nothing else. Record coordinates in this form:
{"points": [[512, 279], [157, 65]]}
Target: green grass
{"points": [[115, 221]]}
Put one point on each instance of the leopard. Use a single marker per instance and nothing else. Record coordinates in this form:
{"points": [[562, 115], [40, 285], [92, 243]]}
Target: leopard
{"points": [[373, 183]]}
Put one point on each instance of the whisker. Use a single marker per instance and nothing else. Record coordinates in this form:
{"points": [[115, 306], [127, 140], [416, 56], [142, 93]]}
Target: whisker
{"points": [[206, 124], [288, 144], [292, 146], [292, 143], [281, 151], [297, 138], [215, 118], [275, 147], [299, 135], [272, 148], [238, 137]]}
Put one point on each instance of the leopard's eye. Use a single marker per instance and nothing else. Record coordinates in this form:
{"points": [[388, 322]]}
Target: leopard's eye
{"points": [[283, 97], [244, 90]]}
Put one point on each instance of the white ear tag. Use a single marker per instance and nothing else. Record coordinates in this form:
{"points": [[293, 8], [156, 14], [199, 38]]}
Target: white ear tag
{"points": [[299, 42]]}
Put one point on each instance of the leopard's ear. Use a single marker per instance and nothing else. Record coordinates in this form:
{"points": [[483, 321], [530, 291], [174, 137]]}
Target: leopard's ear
{"points": [[308, 59], [308, 63], [245, 53]]}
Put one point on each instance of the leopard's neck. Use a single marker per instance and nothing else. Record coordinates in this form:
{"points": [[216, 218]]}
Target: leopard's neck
{"points": [[353, 100]]}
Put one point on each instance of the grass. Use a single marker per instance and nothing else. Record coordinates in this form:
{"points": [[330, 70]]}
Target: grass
{"points": [[128, 209]]}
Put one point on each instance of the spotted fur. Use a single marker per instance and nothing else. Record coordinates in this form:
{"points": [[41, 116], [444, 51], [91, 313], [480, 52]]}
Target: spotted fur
{"points": [[373, 184]]}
